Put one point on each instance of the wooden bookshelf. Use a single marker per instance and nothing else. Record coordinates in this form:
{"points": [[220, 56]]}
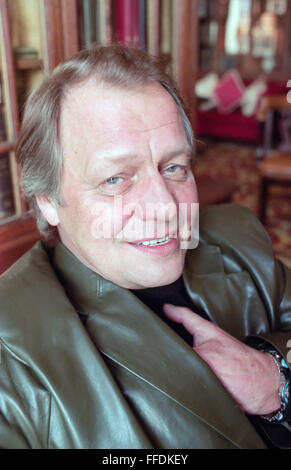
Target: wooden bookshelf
{"points": [[16, 229]]}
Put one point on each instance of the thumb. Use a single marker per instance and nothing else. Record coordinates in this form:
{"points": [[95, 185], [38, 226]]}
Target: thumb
{"points": [[200, 328]]}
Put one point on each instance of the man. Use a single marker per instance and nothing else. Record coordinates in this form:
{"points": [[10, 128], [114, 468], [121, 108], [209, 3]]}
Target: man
{"points": [[94, 353]]}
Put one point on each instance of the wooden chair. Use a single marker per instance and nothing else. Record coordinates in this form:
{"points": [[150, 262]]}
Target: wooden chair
{"points": [[275, 167]]}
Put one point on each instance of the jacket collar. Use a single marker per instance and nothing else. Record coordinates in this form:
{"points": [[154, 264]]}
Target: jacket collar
{"points": [[85, 286], [130, 334], [204, 279]]}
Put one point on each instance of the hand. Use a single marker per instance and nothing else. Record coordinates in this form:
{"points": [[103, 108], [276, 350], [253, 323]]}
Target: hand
{"points": [[250, 376]]}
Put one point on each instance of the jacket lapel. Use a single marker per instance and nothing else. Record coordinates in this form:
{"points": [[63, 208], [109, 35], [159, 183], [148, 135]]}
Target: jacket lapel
{"points": [[228, 299], [127, 332]]}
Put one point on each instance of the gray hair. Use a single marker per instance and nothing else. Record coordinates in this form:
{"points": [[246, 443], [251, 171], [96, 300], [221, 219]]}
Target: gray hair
{"points": [[39, 151]]}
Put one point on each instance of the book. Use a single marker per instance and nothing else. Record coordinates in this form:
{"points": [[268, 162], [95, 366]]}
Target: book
{"points": [[142, 24], [3, 135], [7, 207], [126, 21], [90, 15], [80, 23], [135, 19], [104, 22], [166, 26], [109, 20], [166, 36], [153, 27]]}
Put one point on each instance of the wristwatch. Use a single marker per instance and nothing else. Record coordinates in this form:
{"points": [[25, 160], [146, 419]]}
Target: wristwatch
{"points": [[284, 372]]}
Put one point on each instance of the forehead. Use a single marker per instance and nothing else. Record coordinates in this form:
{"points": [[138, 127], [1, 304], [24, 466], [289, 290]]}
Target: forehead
{"points": [[101, 118]]}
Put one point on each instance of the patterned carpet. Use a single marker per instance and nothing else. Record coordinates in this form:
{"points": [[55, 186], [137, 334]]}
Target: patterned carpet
{"points": [[237, 162]]}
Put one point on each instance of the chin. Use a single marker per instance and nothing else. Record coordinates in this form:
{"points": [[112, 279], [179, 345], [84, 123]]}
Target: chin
{"points": [[162, 278]]}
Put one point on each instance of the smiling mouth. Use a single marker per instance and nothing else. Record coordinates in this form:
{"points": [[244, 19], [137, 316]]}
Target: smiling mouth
{"points": [[160, 247], [156, 242]]}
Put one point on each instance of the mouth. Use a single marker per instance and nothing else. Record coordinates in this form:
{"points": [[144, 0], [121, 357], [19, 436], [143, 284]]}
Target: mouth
{"points": [[158, 247], [155, 242]]}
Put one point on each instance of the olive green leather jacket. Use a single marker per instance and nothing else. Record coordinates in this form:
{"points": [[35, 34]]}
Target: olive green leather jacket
{"points": [[85, 364]]}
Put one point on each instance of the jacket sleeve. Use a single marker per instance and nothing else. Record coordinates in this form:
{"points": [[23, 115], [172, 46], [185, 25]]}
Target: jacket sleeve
{"points": [[279, 435], [280, 336], [21, 424]]}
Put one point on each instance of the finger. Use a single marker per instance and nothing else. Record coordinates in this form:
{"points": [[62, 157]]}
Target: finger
{"points": [[199, 327]]}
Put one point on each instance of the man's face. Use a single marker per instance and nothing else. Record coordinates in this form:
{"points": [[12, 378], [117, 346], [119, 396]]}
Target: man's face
{"points": [[124, 153]]}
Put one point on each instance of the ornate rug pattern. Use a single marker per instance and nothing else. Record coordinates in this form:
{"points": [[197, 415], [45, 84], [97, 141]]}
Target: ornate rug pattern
{"points": [[237, 162]]}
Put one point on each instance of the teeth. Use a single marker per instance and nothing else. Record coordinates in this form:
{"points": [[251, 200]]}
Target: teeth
{"points": [[159, 241]]}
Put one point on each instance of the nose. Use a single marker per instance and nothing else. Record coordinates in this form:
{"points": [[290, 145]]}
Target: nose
{"points": [[157, 189], [158, 205]]}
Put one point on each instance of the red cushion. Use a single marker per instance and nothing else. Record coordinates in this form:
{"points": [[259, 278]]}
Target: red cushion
{"points": [[229, 92]]}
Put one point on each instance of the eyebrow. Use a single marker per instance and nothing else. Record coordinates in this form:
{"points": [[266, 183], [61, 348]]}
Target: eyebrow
{"points": [[181, 151]]}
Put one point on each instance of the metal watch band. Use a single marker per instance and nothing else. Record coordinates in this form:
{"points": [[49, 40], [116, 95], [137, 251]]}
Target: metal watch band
{"points": [[284, 372]]}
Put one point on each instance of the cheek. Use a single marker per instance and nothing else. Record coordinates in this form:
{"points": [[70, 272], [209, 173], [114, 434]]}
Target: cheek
{"points": [[71, 215], [188, 218], [105, 219], [186, 193], [73, 210]]}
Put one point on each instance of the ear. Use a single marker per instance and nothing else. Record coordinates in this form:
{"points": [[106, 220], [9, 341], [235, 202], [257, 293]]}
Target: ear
{"points": [[48, 209]]}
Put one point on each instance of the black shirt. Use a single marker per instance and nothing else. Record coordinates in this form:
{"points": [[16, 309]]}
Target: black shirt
{"points": [[175, 293]]}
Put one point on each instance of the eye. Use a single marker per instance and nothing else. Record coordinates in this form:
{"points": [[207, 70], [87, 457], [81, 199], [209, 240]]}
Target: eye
{"points": [[174, 168], [114, 180], [118, 184], [176, 172]]}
